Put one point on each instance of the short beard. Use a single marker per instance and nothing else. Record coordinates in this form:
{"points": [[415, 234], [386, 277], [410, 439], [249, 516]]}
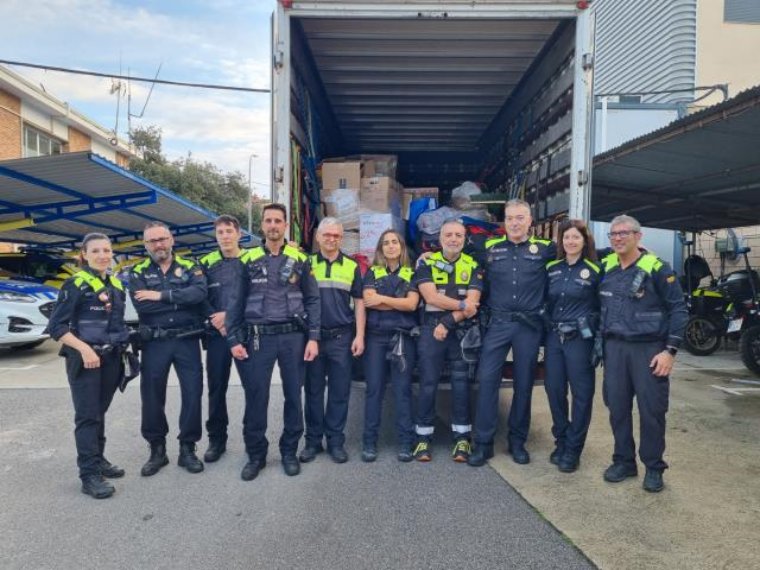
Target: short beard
{"points": [[159, 256]]}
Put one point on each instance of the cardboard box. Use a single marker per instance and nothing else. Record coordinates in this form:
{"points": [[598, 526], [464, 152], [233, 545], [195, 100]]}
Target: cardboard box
{"points": [[338, 173], [414, 193], [370, 228], [377, 164], [341, 202], [381, 194]]}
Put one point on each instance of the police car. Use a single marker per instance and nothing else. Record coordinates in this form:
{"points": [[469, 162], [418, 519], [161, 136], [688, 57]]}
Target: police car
{"points": [[25, 307]]}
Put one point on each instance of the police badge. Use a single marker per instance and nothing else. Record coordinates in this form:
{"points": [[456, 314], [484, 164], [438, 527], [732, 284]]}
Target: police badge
{"points": [[465, 276], [585, 273], [178, 272], [533, 248]]}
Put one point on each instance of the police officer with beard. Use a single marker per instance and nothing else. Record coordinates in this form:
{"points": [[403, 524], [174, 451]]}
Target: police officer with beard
{"points": [[221, 267], [168, 292], [273, 316], [643, 320]]}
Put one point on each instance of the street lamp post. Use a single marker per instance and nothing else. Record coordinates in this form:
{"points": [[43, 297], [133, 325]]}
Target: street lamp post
{"points": [[250, 192]]}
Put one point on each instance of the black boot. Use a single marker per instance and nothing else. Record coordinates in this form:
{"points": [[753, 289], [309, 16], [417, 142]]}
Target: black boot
{"points": [[188, 459], [156, 460], [109, 470], [97, 487], [214, 451]]}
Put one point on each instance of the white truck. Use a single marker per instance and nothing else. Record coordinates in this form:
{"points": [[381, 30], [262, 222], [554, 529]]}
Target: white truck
{"points": [[498, 92]]}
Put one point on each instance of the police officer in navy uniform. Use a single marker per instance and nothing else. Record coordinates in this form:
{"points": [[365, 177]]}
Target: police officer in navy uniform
{"points": [[89, 320], [342, 335], [221, 267], [450, 283], [391, 300], [643, 319], [273, 316], [168, 293], [515, 268], [572, 312]]}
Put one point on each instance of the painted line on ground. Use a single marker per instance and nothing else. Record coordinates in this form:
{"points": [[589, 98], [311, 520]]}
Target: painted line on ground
{"points": [[21, 367], [743, 381], [700, 368], [733, 392]]}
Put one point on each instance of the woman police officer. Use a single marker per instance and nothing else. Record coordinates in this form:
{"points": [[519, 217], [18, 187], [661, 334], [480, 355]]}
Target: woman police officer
{"points": [[573, 308], [391, 304], [89, 320]]}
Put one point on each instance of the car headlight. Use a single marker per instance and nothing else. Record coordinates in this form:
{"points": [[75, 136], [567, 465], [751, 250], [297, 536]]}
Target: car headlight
{"points": [[14, 297]]}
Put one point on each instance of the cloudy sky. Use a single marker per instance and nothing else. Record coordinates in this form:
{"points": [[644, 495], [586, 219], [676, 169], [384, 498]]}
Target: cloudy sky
{"points": [[203, 41]]}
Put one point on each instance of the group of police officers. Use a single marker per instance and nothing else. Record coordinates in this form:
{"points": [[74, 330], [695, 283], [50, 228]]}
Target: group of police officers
{"points": [[312, 315]]}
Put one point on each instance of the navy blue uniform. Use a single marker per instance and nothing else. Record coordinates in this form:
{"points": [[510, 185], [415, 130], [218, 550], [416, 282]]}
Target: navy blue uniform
{"points": [[464, 275], [339, 282], [573, 308], [643, 312], [92, 309], [170, 330], [515, 294], [382, 328], [221, 272], [274, 306]]}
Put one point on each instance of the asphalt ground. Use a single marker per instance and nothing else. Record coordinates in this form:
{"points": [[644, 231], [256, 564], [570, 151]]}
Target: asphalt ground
{"points": [[356, 515]]}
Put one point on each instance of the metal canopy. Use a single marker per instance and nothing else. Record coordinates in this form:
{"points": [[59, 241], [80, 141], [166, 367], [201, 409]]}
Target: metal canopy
{"points": [[412, 85], [698, 173], [53, 201]]}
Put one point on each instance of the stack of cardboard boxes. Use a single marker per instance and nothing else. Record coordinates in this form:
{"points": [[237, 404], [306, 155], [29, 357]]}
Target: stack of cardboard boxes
{"points": [[363, 194]]}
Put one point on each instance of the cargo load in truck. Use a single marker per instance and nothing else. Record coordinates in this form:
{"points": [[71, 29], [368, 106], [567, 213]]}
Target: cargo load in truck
{"points": [[494, 92]]}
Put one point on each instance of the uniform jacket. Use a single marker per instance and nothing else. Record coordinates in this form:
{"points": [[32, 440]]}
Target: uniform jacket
{"points": [[395, 284], [91, 308], [221, 273], [573, 290], [338, 282], [183, 291], [273, 289], [643, 302]]}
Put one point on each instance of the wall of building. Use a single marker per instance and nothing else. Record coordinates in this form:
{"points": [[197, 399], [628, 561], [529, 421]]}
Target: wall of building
{"points": [[78, 141], [10, 126], [749, 236], [646, 46], [727, 52]]}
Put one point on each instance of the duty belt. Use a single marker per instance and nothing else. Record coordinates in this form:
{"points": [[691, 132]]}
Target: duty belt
{"points": [[533, 320], [158, 333], [336, 332], [102, 349], [566, 330], [280, 328]]}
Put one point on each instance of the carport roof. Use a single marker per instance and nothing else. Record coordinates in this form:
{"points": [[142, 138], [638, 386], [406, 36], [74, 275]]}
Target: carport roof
{"points": [[53, 201], [698, 173]]}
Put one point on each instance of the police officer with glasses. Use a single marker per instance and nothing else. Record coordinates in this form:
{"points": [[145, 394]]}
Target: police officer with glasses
{"points": [[341, 338], [572, 305], [168, 292], [88, 320], [643, 317]]}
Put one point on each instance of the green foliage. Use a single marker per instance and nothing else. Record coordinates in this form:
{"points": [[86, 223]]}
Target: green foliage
{"points": [[200, 182]]}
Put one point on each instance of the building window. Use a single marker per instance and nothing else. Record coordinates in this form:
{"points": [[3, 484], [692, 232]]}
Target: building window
{"points": [[741, 11], [37, 143]]}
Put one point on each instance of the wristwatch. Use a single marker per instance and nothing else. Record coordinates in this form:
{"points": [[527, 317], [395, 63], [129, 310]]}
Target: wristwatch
{"points": [[672, 350], [462, 305]]}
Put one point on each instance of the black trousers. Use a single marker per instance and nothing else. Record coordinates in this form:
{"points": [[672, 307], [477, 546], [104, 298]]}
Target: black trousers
{"points": [[568, 365], [218, 366], [157, 358], [330, 371], [627, 375], [256, 374], [92, 390], [524, 341]]}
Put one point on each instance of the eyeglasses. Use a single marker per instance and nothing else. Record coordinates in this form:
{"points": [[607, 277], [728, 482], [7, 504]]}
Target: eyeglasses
{"points": [[621, 234], [156, 241], [332, 236]]}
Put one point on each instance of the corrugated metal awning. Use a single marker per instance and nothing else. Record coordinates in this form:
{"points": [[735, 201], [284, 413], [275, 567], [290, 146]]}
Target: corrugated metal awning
{"points": [[698, 173], [53, 201]]}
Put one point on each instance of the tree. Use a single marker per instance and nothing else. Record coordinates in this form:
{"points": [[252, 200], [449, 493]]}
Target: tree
{"points": [[200, 182]]}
